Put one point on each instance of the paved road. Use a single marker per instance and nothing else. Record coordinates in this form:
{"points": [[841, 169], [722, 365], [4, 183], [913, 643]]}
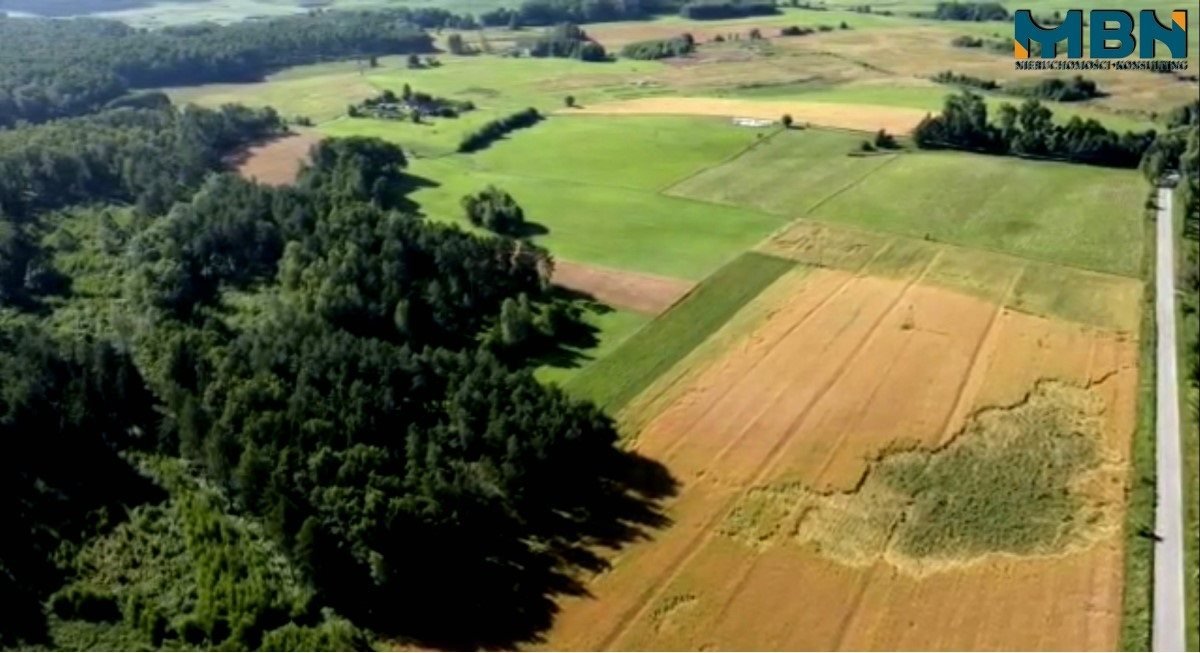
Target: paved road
{"points": [[1168, 519]]}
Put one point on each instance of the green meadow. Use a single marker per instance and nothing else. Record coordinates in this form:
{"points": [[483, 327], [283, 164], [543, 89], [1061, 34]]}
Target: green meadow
{"points": [[1081, 216], [591, 185]]}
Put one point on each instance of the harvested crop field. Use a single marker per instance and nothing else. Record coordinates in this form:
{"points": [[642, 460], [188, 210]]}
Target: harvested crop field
{"points": [[278, 162], [826, 452], [858, 117], [641, 293]]}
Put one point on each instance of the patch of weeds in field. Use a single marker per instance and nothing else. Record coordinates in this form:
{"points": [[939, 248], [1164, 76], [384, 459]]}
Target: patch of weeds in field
{"points": [[1027, 479], [614, 380], [1009, 483], [763, 513]]}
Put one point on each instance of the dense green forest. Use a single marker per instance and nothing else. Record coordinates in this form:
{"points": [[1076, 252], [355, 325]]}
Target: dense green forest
{"points": [[243, 417], [58, 68]]}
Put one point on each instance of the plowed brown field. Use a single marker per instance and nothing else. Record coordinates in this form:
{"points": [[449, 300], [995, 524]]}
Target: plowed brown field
{"points": [[641, 293], [278, 162], [849, 368]]}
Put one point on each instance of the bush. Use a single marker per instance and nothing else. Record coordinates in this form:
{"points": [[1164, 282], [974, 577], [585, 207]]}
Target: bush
{"points": [[495, 210], [795, 30], [885, 141]]}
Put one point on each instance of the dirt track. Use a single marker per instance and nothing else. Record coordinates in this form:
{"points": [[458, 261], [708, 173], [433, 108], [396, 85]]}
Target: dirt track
{"points": [[858, 117], [846, 368], [641, 293]]}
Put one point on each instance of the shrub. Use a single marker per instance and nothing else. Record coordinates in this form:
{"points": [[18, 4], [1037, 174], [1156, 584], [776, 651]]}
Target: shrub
{"points": [[495, 210], [795, 30]]}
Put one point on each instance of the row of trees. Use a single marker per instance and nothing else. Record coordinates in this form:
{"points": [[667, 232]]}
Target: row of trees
{"points": [[59, 68], [660, 48], [541, 13], [967, 11], [956, 79], [496, 129], [566, 41], [1075, 89], [996, 46], [718, 9], [1029, 131]]}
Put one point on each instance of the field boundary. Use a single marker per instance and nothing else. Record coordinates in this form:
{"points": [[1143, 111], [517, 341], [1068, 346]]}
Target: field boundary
{"points": [[616, 379], [758, 142], [1138, 581]]}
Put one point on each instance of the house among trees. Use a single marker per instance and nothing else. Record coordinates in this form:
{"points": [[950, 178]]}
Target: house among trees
{"points": [[409, 104]]}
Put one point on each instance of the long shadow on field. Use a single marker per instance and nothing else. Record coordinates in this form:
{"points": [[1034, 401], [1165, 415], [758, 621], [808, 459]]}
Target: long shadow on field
{"points": [[574, 337], [496, 587], [400, 199]]}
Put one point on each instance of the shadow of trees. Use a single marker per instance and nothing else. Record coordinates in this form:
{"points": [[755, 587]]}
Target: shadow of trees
{"points": [[495, 586]]}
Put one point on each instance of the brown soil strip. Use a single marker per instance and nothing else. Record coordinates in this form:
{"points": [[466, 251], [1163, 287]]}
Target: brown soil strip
{"points": [[641, 293]]}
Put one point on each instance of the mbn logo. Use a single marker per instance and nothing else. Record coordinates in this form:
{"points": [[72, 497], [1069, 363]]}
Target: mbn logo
{"points": [[1110, 36]]}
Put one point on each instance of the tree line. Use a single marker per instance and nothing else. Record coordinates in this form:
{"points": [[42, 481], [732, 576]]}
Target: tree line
{"points": [[718, 9], [567, 41], [542, 13], [1074, 89], [660, 48], [1029, 131], [967, 11], [496, 129], [52, 69]]}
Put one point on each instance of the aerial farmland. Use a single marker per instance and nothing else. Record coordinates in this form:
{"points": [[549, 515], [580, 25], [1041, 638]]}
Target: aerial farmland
{"points": [[868, 313]]}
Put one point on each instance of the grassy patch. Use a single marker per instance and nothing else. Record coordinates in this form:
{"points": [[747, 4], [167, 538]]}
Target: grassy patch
{"points": [[1026, 479], [1006, 484], [614, 380], [1097, 299], [1188, 330], [1080, 216], [612, 327], [788, 175], [1139, 512], [601, 207], [1074, 215]]}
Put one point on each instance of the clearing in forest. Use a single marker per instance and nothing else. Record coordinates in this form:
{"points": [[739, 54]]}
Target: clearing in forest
{"points": [[836, 443], [277, 162]]}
